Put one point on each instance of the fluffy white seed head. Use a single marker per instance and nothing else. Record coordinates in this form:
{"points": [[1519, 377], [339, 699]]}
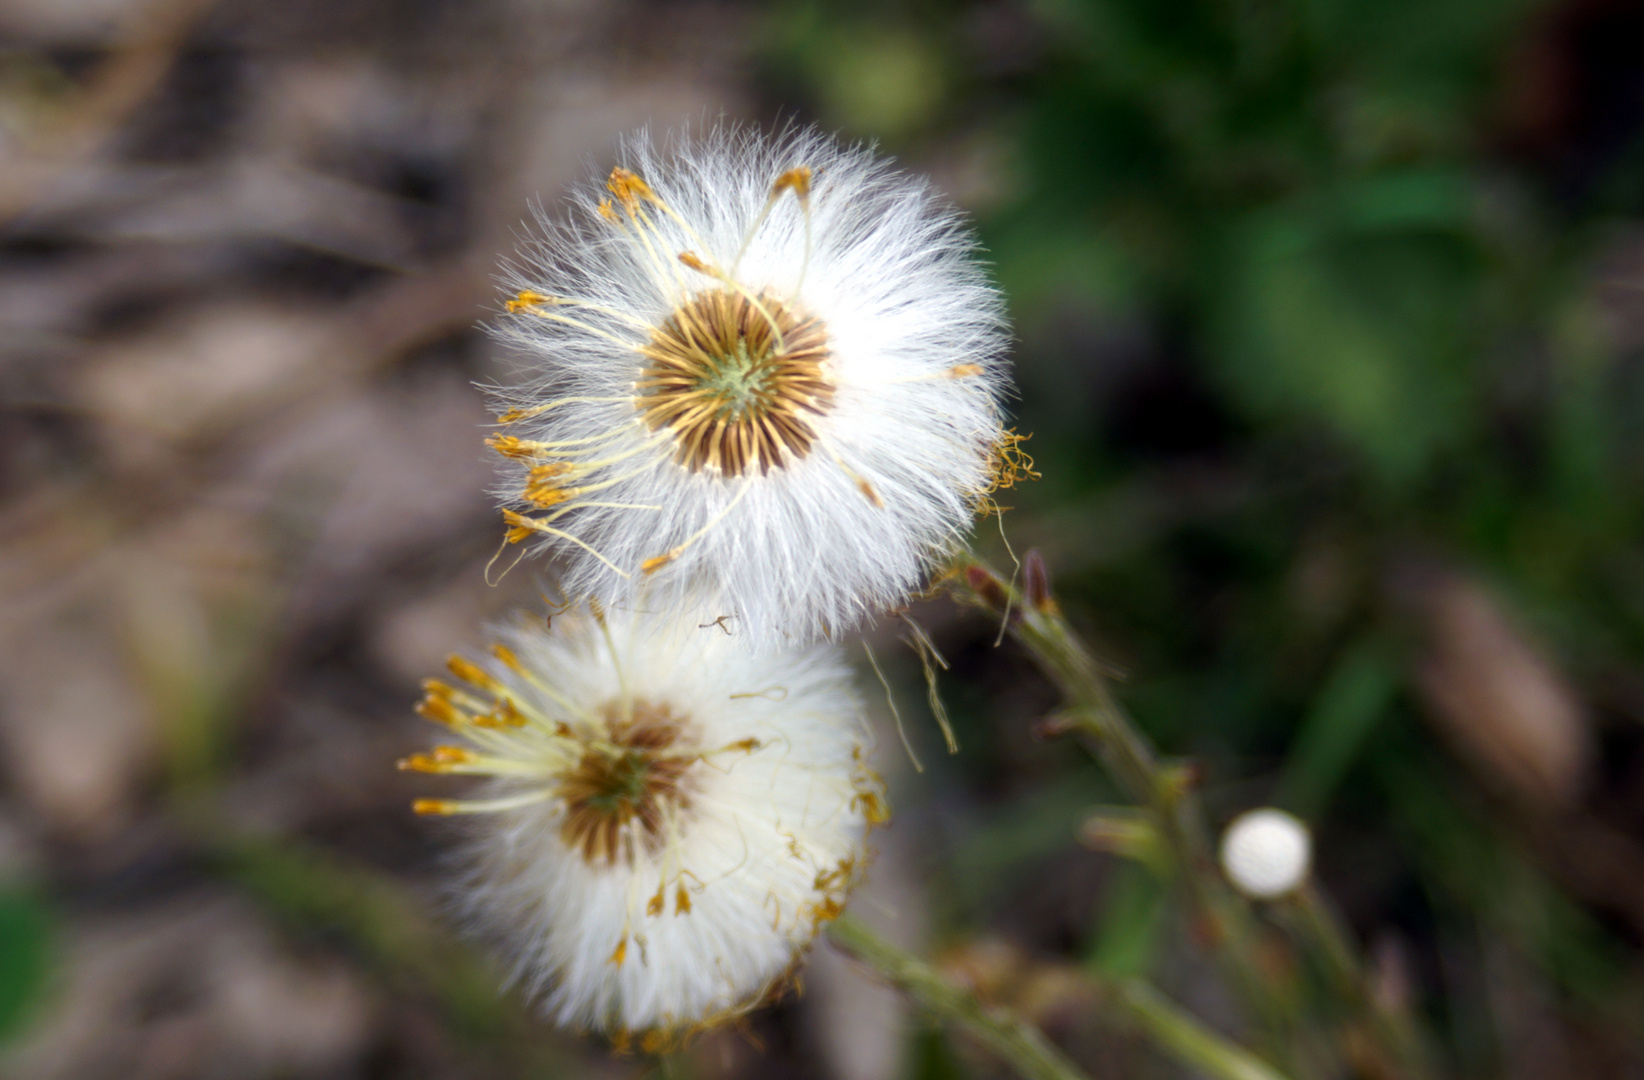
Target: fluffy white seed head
{"points": [[669, 820], [1266, 853], [759, 378]]}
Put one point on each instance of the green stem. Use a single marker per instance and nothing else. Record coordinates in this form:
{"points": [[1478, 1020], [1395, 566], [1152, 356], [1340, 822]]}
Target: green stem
{"points": [[1172, 1030], [1012, 1038], [1318, 928], [1090, 710], [1183, 1038]]}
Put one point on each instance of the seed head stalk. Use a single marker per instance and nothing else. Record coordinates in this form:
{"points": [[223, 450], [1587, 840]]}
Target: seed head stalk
{"points": [[1180, 846], [1024, 1046], [1007, 1034], [1089, 710], [1392, 1042]]}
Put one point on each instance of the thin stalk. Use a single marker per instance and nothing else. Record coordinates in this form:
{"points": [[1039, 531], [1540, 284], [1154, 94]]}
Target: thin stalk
{"points": [[1089, 710], [1314, 923], [1185, 1039], [1008, 1035], [1173, 1031]]}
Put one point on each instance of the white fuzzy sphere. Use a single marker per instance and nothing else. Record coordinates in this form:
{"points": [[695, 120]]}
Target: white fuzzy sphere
{"points": [[745, 826], [1266, 853], [901, 454]]}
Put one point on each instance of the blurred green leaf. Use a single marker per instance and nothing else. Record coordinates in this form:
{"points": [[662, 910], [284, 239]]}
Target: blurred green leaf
{"points": [[25, 958], [873, 73], [1356, 314], [1128, 930], [881, 81], [1354, 696]]}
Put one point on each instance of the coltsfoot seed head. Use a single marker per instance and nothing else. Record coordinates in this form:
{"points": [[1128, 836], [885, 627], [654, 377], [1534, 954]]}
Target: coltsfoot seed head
{"points": [[1266, 853], [760, 378], [669, 818]]}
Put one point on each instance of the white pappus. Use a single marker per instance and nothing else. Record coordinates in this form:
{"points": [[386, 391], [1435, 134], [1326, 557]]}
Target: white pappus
{"points": [[760, 378], [670, 818]]}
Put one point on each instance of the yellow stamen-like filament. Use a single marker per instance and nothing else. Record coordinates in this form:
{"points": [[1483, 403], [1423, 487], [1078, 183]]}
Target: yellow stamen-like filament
{"points": [[510, 660], [525, 299], [441, 711], [580, 325], [545, 486], [657, 562], [872, 805], [468, 715], [957, 371], [456, 760], [1008, 466], [550, 496], [448, 807], [798, 181], [472, 674], [512, 711], [868, 491], [515, 415], [629, 189], [520, 527], [691, 260], [530, 301], [512, 446], [548, 484], [438, 759]]}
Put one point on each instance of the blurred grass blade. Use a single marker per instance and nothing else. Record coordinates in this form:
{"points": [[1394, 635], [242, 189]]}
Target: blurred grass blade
{"points": [[1132, 917], [1357, 693]]}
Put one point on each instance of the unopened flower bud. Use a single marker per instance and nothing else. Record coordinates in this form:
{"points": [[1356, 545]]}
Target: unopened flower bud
{"points": [[1036, 583]]}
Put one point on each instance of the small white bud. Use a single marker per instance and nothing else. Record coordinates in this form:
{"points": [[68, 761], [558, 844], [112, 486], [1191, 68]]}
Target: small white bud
{"points": [[1266, 853]]}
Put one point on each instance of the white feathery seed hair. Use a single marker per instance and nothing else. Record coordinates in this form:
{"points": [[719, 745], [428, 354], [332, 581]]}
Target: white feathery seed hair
{"points": [[760, 377], [670, 817]]}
